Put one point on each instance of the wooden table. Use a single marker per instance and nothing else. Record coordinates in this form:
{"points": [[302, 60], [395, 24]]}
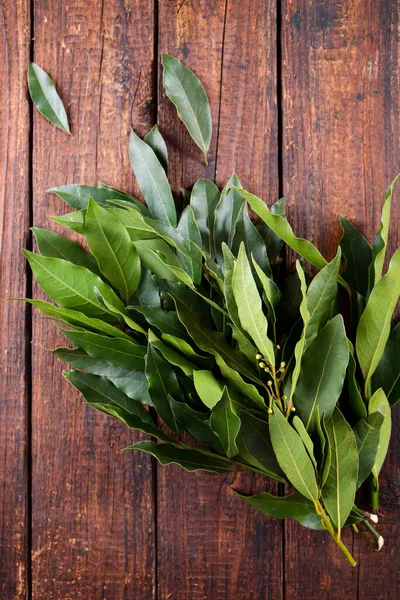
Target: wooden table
{"points": [[305, 100]]}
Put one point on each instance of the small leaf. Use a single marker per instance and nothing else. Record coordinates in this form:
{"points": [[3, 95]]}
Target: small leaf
{"points": [[379, 403], [226, 424], [99, 390], [203, 200], [307, 441], [171, 355], [322, 373], [156, 256], [358, 255], [45, 98], [246, 390], [71, 286], [254, 244], [226, 216], [339, 490], [165, 321], [186, 92], [187, 226], [257, 440], [282, 228], [248, 301], [186, 349], [195, 423], [74, 221], [292, 456], [208, 387], [374, 326], [273, 242], [295, 506], [162, 382], [155, 140], [190, 460], [356, 401], [387, 373], [152, 180], [367, 435], [300, 345], [77, 196], [110, 243], [381, 238]]}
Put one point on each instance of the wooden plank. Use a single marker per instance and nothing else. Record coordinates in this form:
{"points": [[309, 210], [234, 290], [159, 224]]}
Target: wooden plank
{"points": [[210, 544], [340, 151], [93, 517], [14, 316]]}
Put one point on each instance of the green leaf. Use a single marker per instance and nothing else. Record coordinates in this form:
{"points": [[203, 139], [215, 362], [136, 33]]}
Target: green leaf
{"points": [[387, 373], [45, 98], [339, 490], [367, 435], [300, 345], [165, 321], [74, 221], [356, 401], [188, 228], [229, 267], [208, 387], [107, 193], [110, 243], [374, 326], [99, 390], [147, 293], [273, 242], [195, 423], [292, 456], [203, 200], [307, 441], [381, 238], [162, 382], [257, 440], [295, 506], [226, 424], [53, 245], [152, 180], [186, 349], [71, 286], [358, 255], [213, 342], [115, 351], [77, 319], [320, 295], [190, 460], [254, 244], [247, 390], [132, 383], [156, 256], [249, 306], [282, 228], [322, 373], [155, 140], [171, 355], [379, 403], [77, 196], [186, 92], [226, 216]]}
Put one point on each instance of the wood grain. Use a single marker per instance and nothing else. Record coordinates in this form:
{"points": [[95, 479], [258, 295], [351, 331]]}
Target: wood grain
{"points": [[14, 324], [93, 505], [211, 544], [340, 151]]}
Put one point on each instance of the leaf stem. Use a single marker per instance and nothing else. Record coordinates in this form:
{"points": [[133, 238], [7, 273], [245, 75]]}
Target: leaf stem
{"points": [[327, 525]]}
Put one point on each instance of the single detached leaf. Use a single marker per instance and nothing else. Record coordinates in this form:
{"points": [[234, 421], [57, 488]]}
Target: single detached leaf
{"points": [[379, 403], [387, 373], [282, 228], [53, 245], [152, 180], [71, 286], [322, 373], [162, 382], [203, 200], [380, 241], [339, 490], [358, 255], [249, 306], [367, 435], [45, 98], [186, 92], [292, 456], [132, 383], [110, 243], [320, 295], [226, 424], [295, 506], [226, 216], [99, 390], [155, 140], [257, 440], [208, 387], [374, 326], [190, 460]]}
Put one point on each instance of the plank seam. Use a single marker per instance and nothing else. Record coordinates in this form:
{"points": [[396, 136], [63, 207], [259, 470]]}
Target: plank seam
{"points": [[220, 88]]}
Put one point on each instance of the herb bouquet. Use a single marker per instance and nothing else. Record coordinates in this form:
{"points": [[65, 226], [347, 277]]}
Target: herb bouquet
{"points": [[190, 322]]}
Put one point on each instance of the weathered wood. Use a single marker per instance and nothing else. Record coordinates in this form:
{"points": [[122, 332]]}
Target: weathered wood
{"points": [[211, 544], [14, 330], [340, 151], [93, 517]]}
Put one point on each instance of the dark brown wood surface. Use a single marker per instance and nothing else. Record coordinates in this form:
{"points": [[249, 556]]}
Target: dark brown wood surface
{"points": [[305, 100]]}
